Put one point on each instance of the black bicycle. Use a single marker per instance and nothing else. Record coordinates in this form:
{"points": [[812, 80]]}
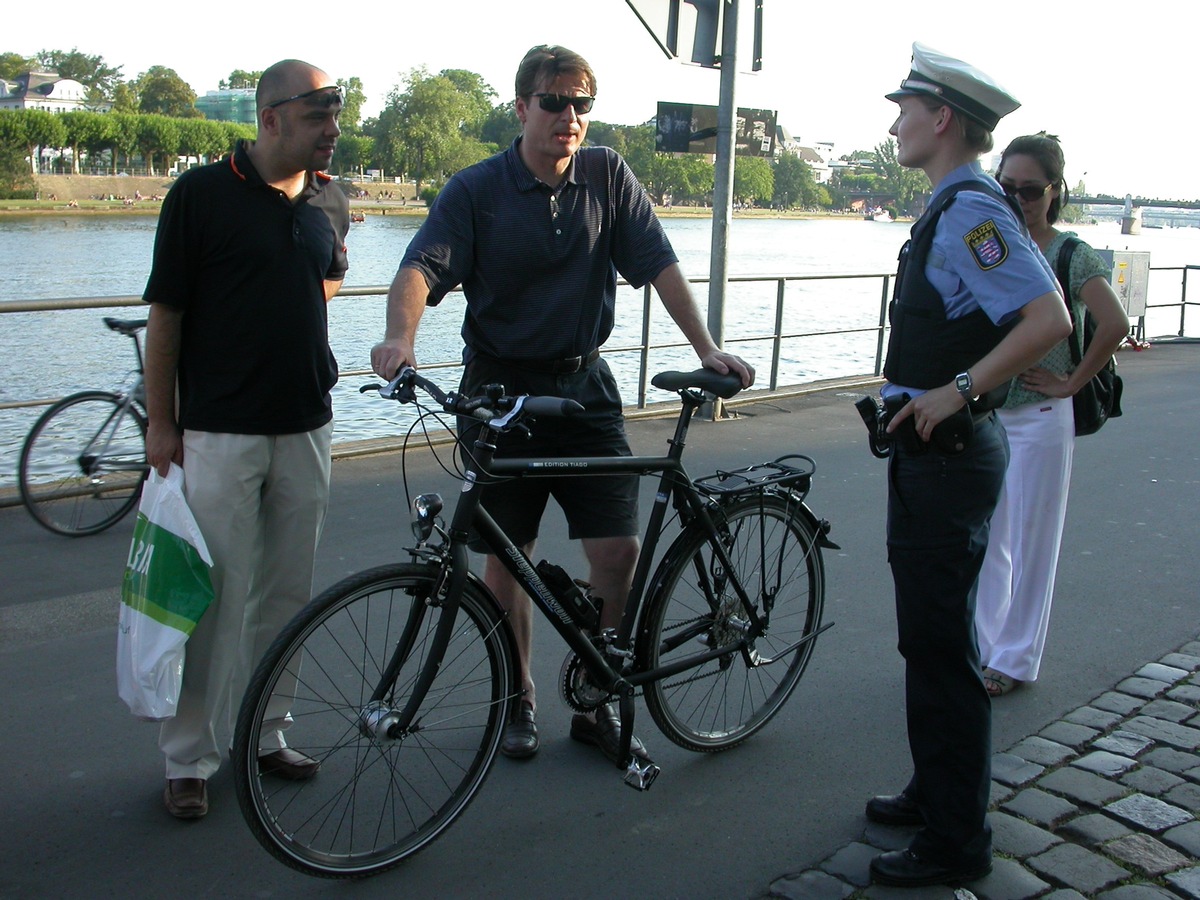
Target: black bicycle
{"points": [[83, 463], [400, 679]]}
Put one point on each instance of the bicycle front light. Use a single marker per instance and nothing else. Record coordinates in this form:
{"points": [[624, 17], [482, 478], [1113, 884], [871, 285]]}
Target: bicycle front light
{"points": [[425, 512]]}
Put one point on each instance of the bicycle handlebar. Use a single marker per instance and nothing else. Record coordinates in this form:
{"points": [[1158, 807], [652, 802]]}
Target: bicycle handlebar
{"points": [[492, 405]]}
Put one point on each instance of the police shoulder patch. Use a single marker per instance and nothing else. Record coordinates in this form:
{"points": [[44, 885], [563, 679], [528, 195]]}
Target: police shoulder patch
{"points": [[987, 245]]}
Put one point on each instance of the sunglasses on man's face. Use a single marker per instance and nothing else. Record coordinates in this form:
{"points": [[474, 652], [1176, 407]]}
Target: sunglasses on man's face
{"points": [[556, 103], [334, 96], [1030, 193]]}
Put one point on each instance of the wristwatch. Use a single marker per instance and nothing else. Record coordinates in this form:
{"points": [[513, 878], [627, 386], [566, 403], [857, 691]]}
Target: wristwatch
{"points": [[965, 386]]}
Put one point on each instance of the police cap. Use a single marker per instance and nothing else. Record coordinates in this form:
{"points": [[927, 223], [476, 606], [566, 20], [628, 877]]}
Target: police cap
{"points": [[958, 85]]}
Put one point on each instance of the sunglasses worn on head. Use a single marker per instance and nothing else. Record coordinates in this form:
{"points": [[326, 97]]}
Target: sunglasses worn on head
{"points": [[1029, 192], [329, 99], [556, 103]]}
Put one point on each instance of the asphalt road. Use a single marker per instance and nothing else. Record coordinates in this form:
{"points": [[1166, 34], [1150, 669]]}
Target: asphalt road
{"points": [[81, 781]]}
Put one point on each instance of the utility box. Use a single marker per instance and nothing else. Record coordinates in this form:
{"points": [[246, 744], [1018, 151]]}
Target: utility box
{"points": [[1130, 278]]}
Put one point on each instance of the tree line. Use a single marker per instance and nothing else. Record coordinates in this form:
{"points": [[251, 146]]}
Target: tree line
{"points": [[431, 126]]}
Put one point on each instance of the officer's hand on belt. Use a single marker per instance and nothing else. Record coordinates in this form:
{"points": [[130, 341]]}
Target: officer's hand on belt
{"points": [[928, 410]]}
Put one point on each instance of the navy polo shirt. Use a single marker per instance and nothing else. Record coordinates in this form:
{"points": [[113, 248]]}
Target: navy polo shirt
{"points": [[247, 267], [539, 265]]}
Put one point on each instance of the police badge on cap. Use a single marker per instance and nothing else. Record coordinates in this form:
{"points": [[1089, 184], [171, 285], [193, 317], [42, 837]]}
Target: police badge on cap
{"points": [[957, 84]]}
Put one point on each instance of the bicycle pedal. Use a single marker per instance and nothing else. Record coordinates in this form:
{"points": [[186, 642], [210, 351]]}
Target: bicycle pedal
{"points": [[641, 774]]}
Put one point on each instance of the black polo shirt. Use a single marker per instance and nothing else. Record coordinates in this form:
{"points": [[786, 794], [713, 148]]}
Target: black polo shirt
{"points": [[539, 265], [247, 268]]}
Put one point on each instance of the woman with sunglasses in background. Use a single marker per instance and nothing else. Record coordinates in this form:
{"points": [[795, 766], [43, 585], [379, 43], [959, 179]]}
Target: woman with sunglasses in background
{"points": [[1016, 584]]}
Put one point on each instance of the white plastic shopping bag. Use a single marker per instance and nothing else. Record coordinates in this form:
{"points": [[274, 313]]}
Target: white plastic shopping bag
{"points": [[165, 591]]}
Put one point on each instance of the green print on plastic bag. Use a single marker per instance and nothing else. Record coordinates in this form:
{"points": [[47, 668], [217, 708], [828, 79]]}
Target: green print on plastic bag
{"points": [[178, 581]]}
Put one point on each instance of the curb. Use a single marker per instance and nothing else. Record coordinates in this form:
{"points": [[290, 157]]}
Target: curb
{"points": [[1103, 802]]}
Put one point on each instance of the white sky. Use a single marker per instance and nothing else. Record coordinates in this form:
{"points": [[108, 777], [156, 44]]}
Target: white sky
{"points": [[1115, 81]]}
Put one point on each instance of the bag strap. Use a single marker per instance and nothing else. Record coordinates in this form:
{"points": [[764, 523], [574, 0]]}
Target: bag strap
{"points": [[1063, 271]]}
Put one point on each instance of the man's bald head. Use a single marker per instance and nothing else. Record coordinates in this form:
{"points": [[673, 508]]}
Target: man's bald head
{"points": [[288, 78]]}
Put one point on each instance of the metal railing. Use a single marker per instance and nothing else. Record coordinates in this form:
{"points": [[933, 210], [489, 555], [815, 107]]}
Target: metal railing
{"points": [[776, 337]]}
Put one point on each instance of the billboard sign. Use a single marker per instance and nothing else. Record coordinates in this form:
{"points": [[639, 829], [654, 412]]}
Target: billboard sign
{"points": [[691, 128]]}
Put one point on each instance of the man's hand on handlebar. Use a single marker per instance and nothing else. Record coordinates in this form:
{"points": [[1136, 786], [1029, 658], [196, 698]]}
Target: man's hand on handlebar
{"points": [[389, 355]]}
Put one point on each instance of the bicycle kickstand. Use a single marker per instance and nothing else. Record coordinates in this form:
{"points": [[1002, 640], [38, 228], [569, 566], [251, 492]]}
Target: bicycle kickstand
{"points": [[639, 773]]}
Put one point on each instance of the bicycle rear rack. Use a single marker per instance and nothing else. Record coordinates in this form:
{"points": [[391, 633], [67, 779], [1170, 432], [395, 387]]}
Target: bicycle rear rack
{"points": [[794, 470]]}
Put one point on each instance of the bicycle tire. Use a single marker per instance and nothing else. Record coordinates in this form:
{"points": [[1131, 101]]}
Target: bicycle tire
{"points": [[375, 801], [83, 464], [692, 607]]}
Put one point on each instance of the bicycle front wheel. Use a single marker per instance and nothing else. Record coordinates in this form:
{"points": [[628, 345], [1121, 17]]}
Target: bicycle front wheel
{"points": [[83, 464], [693, 608], [378, 797]]}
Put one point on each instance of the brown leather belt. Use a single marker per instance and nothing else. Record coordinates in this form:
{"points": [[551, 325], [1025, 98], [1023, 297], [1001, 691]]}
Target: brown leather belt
{"points": [[568, 366]]}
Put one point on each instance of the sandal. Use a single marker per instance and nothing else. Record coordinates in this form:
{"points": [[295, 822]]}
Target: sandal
{"points": [[998, 684]]}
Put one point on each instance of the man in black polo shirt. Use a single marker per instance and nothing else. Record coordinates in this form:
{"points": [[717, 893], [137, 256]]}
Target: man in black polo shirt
{"points": [[536, 236], [248, 252]]}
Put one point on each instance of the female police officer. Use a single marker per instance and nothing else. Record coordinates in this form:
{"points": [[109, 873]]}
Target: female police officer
{"points": [[975, 304]]}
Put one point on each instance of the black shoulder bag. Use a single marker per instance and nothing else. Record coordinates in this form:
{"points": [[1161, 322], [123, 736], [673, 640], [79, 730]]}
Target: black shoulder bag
{"points": [[1100, 399]]}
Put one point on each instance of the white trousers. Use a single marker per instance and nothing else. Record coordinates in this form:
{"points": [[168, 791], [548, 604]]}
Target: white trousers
{"points": [[1016, 585], [260, 502]]}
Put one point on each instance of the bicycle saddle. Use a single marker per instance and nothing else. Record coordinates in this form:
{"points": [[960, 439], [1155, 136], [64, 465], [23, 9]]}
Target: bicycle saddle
{"points": [[724, 386]]}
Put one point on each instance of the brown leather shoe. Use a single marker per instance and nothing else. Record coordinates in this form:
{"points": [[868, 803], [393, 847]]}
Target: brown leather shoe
{"points": [[521, 734], [605, 733], [186, 798], [288, 763]]}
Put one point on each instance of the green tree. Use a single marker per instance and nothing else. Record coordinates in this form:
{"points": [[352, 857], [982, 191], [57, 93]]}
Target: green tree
{"points": [[795, 183], [83, 129], [201, 138], [687, 177], [353, 153], [240, 78], [753, 179], [639, 152], [16, 179], [502, 125], [427, 123], [124, 137], [14, 64], [162, 91], [40, 129], [125, 98], [479, 97], [353, 99], [904, 183], [92, 72], [157, 136]]}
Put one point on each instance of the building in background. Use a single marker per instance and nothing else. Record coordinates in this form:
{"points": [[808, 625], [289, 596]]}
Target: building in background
{"points": [[229, 105], [42, 90]]}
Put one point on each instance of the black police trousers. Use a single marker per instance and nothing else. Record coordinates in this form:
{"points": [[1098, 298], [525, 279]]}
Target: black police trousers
{"points": [[939, 508]]}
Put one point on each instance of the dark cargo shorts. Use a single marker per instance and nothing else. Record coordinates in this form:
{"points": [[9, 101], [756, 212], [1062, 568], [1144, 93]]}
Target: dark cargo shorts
{"points": [[595, 506]]}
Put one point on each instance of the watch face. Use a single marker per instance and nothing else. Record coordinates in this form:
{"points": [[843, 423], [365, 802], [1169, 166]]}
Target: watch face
{"points": [[963, 383]]}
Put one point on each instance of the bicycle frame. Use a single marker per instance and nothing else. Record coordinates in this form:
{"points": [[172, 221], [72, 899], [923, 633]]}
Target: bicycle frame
{"points": [[622, 680]]}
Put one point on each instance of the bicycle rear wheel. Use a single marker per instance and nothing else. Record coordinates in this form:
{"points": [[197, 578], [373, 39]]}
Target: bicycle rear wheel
{"points": [[376, 799], [693, 607], [83, 464]]}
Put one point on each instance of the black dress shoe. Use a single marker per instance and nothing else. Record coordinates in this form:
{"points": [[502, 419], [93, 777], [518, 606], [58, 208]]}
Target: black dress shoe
{"points": [[605, 733], [520, 735], [904, 868], [186, 798], [894, 809], [288, 763]]}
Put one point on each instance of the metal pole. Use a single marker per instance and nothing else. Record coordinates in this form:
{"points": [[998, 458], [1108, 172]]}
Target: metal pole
{"points": [[723, 185]]}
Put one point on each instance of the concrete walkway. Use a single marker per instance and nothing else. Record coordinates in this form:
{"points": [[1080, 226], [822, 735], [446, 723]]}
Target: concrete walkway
{"points": [[1111, 721]]}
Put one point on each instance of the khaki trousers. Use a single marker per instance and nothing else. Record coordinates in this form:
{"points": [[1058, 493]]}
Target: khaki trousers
{"points": [[260, 502]]}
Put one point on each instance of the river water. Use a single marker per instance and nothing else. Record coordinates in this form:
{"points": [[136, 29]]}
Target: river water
{"points": [[51, 354]]}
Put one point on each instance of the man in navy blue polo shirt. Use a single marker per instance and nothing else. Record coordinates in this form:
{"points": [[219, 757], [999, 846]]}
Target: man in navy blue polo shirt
{"points": [[537, 236], [248, 252]]}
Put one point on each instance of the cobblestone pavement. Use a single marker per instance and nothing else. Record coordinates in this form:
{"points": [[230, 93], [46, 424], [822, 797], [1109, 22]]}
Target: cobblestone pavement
{"points": [[1101, 803]]}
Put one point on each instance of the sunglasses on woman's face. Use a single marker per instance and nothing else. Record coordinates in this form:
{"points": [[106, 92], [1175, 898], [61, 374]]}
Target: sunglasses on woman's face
{"points": [[556, 103], [1030, 193]]}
